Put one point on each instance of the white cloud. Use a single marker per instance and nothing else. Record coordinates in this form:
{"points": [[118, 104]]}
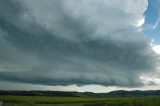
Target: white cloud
{"points": [[157, 23], [156, 48], [107, 15], [140, 22]]}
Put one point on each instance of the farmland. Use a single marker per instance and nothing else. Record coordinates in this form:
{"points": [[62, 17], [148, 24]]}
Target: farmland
{"points": [[77, 101]]}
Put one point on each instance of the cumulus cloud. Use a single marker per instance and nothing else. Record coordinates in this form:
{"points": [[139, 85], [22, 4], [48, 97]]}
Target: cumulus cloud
{"points": [[63, 42]]}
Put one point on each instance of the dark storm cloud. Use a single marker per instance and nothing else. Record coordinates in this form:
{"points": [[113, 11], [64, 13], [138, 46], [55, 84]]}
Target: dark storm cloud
{"points": [[50, 46]]}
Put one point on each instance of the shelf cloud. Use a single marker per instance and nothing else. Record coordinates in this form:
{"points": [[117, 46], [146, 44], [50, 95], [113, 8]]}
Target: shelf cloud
{"points": [[65, 42]]}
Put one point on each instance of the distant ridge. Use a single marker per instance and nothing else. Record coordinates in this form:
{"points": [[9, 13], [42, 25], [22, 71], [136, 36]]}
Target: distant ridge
{"points": [[136, 93], [120, 93]]}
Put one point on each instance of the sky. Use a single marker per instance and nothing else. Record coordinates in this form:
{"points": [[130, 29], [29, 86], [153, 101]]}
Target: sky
{"points": [[152, 21], [79, 45]]}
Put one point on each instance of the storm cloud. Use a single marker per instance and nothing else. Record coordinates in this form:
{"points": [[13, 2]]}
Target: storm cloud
{"points": [[64, 42]]}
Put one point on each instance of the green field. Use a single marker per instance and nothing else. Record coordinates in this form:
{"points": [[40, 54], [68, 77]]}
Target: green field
{"points": [[76, 101]]}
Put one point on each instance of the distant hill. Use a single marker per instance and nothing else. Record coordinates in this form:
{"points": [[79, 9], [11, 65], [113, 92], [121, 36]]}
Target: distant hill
{"points": [[136, 93], [119, 93]]}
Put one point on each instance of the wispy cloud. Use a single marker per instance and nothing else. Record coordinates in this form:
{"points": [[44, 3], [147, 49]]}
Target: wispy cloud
{"points": [[157, 24]]}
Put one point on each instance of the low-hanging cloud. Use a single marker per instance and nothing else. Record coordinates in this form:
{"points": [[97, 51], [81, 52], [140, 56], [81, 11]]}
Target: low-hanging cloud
{"points": [[63, 42]]}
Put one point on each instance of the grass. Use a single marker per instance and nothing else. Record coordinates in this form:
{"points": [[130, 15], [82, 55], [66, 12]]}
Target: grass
{"points": [[47, 100], [69, 101]]}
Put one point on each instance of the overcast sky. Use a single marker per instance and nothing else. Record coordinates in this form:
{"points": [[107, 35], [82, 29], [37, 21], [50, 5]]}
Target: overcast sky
{"points": [[79, 45]]}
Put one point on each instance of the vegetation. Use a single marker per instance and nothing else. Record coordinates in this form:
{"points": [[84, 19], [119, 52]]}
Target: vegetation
{"points": [[77, 101], [47, 100]]}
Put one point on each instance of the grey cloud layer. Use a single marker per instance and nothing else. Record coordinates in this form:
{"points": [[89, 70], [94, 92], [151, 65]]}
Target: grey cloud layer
{"points": [[58, 43]]}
